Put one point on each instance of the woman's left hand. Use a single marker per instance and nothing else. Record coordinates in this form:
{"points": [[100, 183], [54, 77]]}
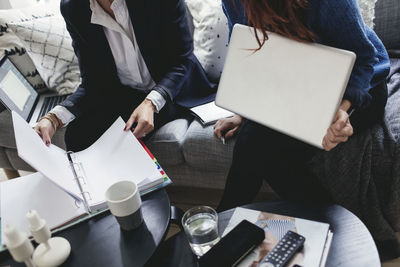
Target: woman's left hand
{"points": [[143, 115], [340, 130]]}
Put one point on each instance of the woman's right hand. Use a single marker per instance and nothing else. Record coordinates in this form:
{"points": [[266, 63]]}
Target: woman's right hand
{"points": [[227, 127], [45, 130]]}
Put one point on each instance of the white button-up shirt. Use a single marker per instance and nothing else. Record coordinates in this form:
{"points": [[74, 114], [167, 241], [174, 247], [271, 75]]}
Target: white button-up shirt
{"points": [[131, 68]]}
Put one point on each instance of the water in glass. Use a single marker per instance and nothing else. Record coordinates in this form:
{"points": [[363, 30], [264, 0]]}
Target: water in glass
{"points": [[202, 232]]}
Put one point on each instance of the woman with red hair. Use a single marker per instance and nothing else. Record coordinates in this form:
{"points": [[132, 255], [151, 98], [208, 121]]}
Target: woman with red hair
{"points": [[262, 153]]}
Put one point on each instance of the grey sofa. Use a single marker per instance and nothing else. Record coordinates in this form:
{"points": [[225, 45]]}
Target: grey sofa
{"points": [[189, 152]]}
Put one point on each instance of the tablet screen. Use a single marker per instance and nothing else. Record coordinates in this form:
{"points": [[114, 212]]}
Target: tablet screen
{"points": [[15, 91]]}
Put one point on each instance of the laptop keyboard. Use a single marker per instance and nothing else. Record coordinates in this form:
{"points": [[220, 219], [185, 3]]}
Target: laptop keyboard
{"points": [[49, 103]]}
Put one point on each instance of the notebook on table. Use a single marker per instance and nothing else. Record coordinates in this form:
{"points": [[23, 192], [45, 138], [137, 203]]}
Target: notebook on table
{"points": [[290, 86]]}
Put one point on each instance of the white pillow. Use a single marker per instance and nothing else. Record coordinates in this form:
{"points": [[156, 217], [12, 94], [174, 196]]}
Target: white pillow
{"points": [[367, 8], [43, 33], [11, 46], [210, 35]]}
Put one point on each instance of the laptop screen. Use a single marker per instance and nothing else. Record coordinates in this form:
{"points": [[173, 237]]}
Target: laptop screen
{"points": [[15, 91]]}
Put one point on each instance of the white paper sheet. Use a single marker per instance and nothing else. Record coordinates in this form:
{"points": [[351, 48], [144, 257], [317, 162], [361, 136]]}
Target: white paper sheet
{"points": [[116, 155], [51, 161], [35, 191], [209, 113]]}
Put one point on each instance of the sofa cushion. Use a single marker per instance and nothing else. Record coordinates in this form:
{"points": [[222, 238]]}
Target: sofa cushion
{"points": [[16, 162], [210, 35], [42, 32], [167, 141], [4, 162], [11, 46], [203, 150], [387, 22], [367, 8], [184, 175]]}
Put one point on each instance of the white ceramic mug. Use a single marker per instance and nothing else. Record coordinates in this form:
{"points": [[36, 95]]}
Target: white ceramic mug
{"points": [[124, 201]]}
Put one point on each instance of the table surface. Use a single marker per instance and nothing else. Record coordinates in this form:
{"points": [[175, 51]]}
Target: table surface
{"points": [[100, 242], [352, 244]]}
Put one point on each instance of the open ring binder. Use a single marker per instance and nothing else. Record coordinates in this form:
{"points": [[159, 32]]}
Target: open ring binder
{"points": [[85, 175], [78, 178]]}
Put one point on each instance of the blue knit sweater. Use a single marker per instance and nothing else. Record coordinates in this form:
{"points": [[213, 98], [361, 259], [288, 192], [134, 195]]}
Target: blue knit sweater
{"points": [[338, 23]]}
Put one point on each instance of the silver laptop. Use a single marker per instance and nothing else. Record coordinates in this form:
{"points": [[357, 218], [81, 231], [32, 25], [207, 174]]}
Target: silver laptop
{"points": [[289, 86], [17, 94]]}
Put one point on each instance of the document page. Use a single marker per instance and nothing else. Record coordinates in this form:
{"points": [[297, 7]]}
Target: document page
{"points": [[35, 191], [116, 155], [51, 161], [209, 113]]}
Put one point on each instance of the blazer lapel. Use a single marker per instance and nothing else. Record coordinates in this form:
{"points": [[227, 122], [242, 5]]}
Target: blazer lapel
{"points": [[96, 38], [101, 47], [144, 19]]}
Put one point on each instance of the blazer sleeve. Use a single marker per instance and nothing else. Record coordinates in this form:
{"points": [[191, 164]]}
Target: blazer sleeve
{"points": [[340, 25], [180, 49], [77, 102], [74, 102]]}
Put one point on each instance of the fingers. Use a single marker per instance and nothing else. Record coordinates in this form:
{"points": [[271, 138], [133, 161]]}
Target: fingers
{"points": [[143, 127], [46, 138], [222, 129], [341, 120], [231, 133], [339, 131], [227, 127], [333, 138], [328, 145], [45, 132], [37, 130], [219, 128], [131, 121]]}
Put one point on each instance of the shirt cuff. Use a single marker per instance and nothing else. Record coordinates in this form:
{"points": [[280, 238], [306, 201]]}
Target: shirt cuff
{"points": [[157, 99], [63, 114]]}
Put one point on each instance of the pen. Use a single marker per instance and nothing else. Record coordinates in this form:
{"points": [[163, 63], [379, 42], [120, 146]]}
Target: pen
{"points": [[223, 140], [351, 111]]}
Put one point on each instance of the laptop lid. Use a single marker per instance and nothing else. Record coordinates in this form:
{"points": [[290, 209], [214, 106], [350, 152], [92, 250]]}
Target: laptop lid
{"points": [[289, 86], [16, 93]]}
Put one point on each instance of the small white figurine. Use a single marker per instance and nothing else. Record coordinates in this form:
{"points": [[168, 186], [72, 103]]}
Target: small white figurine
{"points": [[18, 245], [52, 251]]}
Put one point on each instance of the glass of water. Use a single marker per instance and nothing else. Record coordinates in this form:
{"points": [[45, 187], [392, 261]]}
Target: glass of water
{"points": [[201, 228]]}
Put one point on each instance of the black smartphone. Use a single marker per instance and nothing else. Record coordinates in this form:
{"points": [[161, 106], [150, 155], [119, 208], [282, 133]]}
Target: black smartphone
{"points": [[233, 247]]}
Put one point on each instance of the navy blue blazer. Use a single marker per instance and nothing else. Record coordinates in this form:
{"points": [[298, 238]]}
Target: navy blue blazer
{"points": [[165, 41]]}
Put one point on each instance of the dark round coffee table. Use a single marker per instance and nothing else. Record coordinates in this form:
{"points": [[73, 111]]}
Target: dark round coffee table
{"points": [[100, 242], [352, 244]]}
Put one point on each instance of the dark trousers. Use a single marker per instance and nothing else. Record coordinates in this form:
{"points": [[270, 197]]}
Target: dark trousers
{"points": [[261, 153], [86, 129]]}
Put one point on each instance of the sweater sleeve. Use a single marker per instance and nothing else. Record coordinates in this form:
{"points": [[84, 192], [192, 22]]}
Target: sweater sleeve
{"points": [[340, 25], [234, 13]]}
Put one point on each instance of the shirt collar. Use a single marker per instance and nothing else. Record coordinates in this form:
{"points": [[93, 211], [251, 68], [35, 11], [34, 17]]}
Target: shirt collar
{"points": [[101, 17]]}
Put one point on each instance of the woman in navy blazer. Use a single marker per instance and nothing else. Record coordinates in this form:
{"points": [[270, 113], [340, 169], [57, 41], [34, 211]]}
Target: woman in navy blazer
{"points": [[163, 36], [262, 153]]}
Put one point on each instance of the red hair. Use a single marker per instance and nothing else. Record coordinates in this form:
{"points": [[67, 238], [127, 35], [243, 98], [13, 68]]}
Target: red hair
{"points": [[285, 17]]}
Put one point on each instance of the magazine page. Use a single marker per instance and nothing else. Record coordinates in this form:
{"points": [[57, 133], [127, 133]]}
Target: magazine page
{"points": [[275, 227]]}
